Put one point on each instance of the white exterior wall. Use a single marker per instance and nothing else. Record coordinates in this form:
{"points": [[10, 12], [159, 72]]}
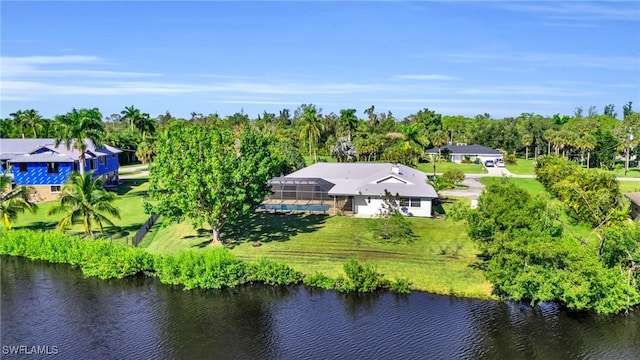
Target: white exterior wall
{"points": [[484, 158], [362, 208]]}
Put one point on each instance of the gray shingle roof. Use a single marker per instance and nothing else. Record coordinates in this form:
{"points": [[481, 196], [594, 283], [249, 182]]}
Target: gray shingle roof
{"points": [[44, 157], [10, 149], [465, 150], [634, 197], [368, 179]]}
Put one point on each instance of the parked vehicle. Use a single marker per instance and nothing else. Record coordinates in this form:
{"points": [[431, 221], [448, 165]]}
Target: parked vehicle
{"points": [[489, 163], [500, 163]]}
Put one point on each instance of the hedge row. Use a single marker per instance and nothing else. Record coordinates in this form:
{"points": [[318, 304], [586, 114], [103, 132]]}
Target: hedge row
{"points": [[211, 269]]}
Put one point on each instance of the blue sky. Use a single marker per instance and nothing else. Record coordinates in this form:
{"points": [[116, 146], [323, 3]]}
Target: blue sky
{"points": [[458, 58]]}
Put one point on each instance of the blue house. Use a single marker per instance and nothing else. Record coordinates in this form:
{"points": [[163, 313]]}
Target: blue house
{"points": [[45, 167]]}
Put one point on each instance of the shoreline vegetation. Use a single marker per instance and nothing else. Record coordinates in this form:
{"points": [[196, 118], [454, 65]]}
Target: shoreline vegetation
{"points": [[214, 268]]}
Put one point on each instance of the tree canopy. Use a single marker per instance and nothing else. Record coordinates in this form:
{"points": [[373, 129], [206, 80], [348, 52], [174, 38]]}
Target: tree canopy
{"points": [[210, 176]]}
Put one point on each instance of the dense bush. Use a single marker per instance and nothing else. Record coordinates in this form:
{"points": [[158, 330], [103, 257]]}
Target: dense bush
{"points": [[591, 197], [209, 269], [95, 257], [453, 176], [272, 273], [527, 257]]}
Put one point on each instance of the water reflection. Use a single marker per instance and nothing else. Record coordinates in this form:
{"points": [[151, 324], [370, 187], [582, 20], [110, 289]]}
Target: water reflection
{"points": [[45, 304]]}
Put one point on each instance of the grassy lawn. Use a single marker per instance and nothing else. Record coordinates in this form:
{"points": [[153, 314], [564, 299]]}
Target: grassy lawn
{"points": [[438, 260], [424, 167], [522, 167], [629, 186], [633, 172], [533, 186], [309, 159], [444, 166], [130, 202]]}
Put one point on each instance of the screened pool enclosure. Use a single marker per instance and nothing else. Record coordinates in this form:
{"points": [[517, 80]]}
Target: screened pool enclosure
{"points": [[300, 195]]}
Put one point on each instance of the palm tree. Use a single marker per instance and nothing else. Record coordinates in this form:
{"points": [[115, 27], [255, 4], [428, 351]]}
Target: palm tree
{"points": [[85, 201], [146, 125], [438, 139], [77, 126], [349, 120], [18, 121], [311, 129], [344, 151], [14, 202], [527, 140], [31, 119], [133, 115]]}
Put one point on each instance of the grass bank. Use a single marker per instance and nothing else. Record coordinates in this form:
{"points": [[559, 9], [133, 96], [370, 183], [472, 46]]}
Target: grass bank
{"points": [[439, 260], [130, 202]]}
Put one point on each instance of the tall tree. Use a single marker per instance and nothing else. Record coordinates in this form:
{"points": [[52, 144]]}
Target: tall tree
{"points": [[18, 122], [133, 116], [77, 126], [311, 128], [85, 201], [349, 120], [14, 201], [207, 175]]}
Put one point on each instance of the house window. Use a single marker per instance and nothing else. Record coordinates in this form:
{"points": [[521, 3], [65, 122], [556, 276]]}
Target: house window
{"points": [[52, 168], [103, 160], [410, 202], [75, 166], [55, 188], [22, 167]]}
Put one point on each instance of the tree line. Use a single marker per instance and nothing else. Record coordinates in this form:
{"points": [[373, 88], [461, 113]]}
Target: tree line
{"points": [[595, 139]]}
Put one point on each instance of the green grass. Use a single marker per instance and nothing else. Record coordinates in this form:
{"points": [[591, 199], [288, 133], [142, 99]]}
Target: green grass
{"points": [[309, 159], [438, 260], [533, 186], [633, 172], [522, 167], [629, 186], [130, 202], [424, 167], [441, 167]]}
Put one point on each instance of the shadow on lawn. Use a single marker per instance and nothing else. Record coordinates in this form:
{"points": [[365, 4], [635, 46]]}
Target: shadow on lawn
{"points": [[264, 227], [128, 185]]}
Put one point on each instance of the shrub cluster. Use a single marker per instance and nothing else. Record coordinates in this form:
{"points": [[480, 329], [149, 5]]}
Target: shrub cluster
{"points": [[591, 197], [95, 257], [358, 277], [211, 269]]}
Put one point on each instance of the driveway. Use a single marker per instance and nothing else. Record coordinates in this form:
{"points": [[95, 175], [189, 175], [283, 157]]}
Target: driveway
{"points": [[475, 187]]}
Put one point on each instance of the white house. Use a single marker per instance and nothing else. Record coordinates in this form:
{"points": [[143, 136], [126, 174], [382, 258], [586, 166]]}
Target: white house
{"points": [[457, 153], [352, 188]]}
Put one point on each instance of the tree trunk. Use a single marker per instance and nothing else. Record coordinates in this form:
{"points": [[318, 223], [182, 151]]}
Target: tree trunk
{"points": [[549, 148], [626, 161], [215, 236], [35, 136], [526, 153], [588, 158], [349, 135], [81, 165]]}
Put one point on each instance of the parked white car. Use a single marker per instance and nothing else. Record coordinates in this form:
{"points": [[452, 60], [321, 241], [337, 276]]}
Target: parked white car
{"points": [[499, 163]]}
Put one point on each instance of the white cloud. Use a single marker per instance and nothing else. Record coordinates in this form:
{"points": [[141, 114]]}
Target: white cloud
{"points": [[533, 59], [48, 66], [426, 77], [579, 10]]}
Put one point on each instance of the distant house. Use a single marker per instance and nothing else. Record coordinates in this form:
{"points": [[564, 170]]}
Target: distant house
{"points": [[457, 153], [352, 188], [45, 167], [634, 197]]}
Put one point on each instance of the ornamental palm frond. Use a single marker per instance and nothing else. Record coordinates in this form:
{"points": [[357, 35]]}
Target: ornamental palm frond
{"points": [[78, 125], [14, 202], [85, 201]]}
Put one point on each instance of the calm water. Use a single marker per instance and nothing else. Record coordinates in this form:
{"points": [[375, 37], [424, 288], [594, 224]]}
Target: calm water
{"points": [[139, 318]]}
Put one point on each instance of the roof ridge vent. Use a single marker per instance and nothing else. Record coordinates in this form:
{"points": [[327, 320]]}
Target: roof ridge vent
{"points": [[395, 169]]}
